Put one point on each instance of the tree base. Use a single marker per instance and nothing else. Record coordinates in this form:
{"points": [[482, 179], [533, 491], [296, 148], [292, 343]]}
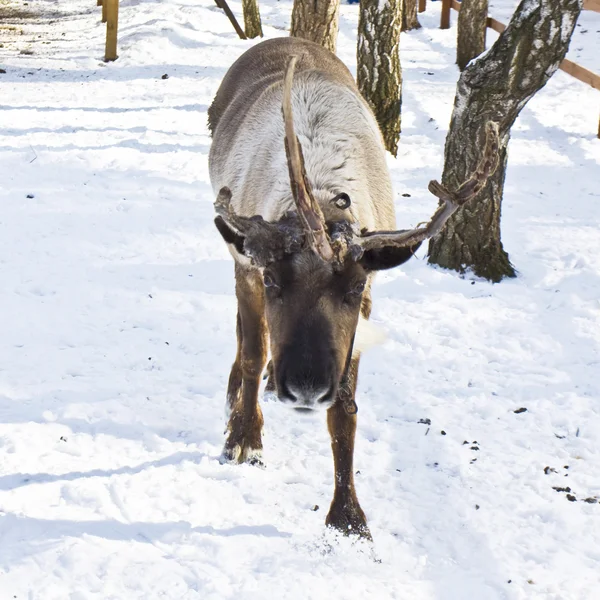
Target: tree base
{"points": [[493, 265]]}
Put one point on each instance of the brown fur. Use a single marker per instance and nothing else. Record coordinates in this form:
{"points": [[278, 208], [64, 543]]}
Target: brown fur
{"points": [[345, 513], [246, 421], [312, 317]]}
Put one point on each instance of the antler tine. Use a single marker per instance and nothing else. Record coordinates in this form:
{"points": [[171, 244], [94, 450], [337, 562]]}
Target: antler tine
{"points": [[245, 226], [224, 209], [262, 241], [451, 201], [309, 210]]}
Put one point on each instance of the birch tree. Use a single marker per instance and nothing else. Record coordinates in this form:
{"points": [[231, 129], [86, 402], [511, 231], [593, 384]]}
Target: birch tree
{"points": [[252, 22], [379, 75], [410, 20], [471, 27], [317, 21], [496, 87]]}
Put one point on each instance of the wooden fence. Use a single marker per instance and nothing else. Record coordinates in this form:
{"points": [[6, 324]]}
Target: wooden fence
{"points": [[110, 16], [577, 71]]}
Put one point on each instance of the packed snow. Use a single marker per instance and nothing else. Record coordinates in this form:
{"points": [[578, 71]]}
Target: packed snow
{"points": [[478, 446]]}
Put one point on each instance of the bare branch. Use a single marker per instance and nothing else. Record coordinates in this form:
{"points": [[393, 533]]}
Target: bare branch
{"points": [[223, 5], [450, 201], [309, 210]]}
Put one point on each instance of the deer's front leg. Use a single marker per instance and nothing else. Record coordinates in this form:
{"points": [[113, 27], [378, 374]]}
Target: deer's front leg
{"points": [[345, 513], [244, 430]]}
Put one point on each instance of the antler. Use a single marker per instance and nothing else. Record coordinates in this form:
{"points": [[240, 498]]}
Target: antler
{"points": [[309, 211], [262, 241], [451, 201]]}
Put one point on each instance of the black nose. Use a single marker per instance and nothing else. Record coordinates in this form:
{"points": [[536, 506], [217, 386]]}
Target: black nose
{"points": [[309, 396], [306, 392], [306, 375]]}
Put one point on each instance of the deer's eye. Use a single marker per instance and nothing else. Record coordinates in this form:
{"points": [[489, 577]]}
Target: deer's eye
{"points": [[270, 282], [358, 289], [354, 294]]}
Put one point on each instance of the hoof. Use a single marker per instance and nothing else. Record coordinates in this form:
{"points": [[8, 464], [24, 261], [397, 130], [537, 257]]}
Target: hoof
{"points": [[238, 454], [348, 519]]}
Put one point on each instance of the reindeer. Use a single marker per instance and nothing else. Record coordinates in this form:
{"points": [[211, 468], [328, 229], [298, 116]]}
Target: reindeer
{"points": [[308, 222]]}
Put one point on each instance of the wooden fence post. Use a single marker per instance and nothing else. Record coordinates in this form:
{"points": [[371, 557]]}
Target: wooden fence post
{"points": [[422, 5], [112, 22], [103, 4], [445, 20]]}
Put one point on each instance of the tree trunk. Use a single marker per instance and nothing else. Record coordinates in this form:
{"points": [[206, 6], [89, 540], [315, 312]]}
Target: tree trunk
{"points": [[409, 15], [316, 20], [472, 24], [379, 76], [252, 24], [496, 87]]}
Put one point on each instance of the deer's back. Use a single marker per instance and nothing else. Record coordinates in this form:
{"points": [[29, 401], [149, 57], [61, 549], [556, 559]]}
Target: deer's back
{"points": [[341, 142]]}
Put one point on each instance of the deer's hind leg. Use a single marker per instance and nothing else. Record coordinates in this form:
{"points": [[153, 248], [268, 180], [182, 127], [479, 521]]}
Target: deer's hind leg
{"points": [[234, 387], [244, 429]]}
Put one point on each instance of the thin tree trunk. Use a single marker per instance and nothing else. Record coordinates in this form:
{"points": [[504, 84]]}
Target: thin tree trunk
{"points": [[252, 24], [409, 15], [496, 87], [379, 75], [317, 21], [472, 24]]}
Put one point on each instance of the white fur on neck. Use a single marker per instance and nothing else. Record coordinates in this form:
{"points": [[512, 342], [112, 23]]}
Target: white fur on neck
{"points": [[367, 336]]}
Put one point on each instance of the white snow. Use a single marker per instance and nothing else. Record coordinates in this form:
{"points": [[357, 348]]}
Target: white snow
{"points": [[117, 304]]}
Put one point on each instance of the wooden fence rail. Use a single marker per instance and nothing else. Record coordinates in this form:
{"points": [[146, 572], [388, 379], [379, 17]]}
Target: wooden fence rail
{"points": [[568, 66]]}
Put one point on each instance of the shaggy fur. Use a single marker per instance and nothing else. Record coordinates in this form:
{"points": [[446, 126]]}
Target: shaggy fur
{"points": [[341, 142]]}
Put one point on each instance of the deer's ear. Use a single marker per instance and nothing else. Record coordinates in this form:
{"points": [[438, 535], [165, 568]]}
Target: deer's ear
{"points": [[387, 257], [232, 238]]}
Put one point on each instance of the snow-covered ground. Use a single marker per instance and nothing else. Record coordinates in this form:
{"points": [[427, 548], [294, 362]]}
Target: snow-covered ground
{"points": [[117, 333]]}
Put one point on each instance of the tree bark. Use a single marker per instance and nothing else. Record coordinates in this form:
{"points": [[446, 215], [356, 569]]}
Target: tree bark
{"points": [[410, 20], [472, 24], [252, 23], [379, 75], [497, 87], [316, 20]]}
